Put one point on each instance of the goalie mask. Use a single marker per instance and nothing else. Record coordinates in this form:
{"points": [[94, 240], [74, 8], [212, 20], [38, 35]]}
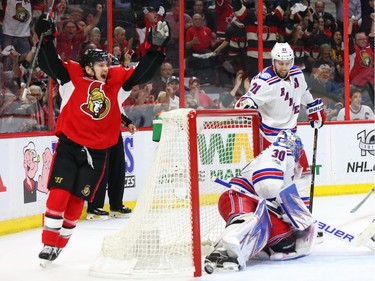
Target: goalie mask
{"points": [[282, 52], [293, 141]]}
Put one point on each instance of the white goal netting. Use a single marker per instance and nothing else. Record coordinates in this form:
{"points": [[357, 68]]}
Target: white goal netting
{"points": [[176, 218]]}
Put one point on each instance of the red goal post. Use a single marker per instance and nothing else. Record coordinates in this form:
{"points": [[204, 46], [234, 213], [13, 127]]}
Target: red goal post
{"points": [[176, 220]]}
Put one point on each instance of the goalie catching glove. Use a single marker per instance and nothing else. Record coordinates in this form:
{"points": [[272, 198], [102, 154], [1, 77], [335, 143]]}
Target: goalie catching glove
{"points": [[46, 27], [316, 113]]}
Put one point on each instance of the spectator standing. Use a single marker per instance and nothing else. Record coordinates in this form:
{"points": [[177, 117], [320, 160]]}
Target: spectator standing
{"points": [[17, 114], [198, 8], [325, 58], [224, 16], [202, 99], [272, 23], [60, 13], [298, 44], [329, 21], [173, 19], [35, 97], [208, 17], [228, 100], [16, 27], [233, 48], [162, 103], [361, 49], [337, 46], [69, 41], [119, 37], [160, 81], [367, 8], [141, 112], [95, 37], [358, 111], [172, 90], [323, 86], [355, 10], [201, 40]]}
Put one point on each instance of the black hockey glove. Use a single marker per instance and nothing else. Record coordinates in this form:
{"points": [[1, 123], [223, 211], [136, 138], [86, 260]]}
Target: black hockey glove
{"points": [[284, 4], [159, 37], [46, 27], [237, 5]]}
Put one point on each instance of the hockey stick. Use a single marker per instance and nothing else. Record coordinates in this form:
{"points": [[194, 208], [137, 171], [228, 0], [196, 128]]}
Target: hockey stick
{"points": [[363, 200], [332, 230], [313, 167], [35, 58]]}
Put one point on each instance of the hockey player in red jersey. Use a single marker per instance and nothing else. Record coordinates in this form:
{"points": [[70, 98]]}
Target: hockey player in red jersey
{"points": [[88, 125], [286, 230]]}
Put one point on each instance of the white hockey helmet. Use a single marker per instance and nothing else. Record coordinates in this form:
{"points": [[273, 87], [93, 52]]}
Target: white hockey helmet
{"points": [[291, 140], [282, 52]]}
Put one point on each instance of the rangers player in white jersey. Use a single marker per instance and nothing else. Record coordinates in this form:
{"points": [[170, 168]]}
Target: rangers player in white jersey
{"points": [[277, 92], [282, 231]]}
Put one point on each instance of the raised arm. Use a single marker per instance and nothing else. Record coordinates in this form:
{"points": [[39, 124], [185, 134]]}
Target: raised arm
{"points": [[48, 58], [151, 62]]}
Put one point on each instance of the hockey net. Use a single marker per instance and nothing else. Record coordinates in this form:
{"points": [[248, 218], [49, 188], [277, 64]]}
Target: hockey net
{"points": [[176, 219]]}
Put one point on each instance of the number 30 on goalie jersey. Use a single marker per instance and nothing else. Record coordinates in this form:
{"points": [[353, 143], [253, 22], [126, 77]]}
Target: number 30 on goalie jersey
{"points": [[271, 170]]}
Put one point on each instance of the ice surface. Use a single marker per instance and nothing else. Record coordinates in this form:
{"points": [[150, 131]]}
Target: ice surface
{"points": [[332, 260]]}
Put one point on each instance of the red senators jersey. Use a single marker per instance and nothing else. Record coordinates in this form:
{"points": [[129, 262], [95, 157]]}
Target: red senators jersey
{"points": [[225, 15], [95, 107]]}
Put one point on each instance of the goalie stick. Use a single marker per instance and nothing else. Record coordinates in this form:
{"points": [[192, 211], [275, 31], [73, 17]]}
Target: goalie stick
{"points": [[363, 200], [35, 58], [313, 167], [334, 231]]}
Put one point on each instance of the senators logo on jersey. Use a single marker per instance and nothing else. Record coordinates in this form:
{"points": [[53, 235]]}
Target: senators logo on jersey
{"points": [[22, 14], [98, 104]]}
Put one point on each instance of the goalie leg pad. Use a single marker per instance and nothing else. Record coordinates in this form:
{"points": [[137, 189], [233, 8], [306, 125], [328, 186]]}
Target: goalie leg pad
{"points": [[306, 240], [303, 185], [295, 209], [247, 234], [296, 246]]}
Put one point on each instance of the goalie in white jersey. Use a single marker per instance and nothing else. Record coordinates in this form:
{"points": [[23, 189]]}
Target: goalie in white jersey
{"points": [[277, 93], [264, 213]]}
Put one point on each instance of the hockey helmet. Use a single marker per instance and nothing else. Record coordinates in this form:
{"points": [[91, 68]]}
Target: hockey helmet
{"points": [[291, 140], [91, 56], [282, 52]]}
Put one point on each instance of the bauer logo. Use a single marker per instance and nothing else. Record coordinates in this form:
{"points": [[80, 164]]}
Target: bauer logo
{"points": [[129, 162], [366, 142]]}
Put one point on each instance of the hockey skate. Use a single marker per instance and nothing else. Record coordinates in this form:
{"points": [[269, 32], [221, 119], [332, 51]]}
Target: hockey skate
{"points": [[124, 212], [97, 214], [48, 254], [219, 259]]}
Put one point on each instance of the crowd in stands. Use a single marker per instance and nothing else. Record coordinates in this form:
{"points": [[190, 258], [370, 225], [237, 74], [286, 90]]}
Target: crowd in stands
{"points": [[220, 47]]}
